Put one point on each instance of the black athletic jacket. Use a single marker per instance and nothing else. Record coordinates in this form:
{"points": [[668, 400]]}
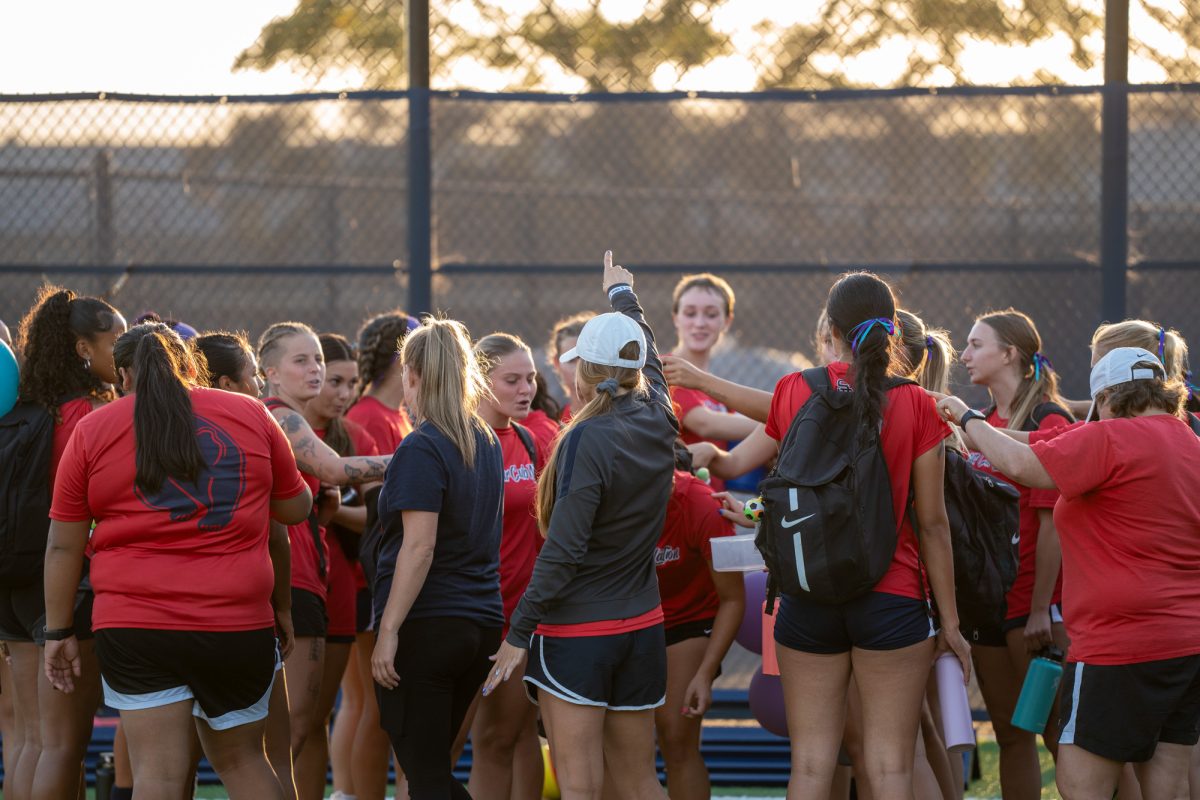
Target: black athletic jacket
{"points": [[615, 474]]}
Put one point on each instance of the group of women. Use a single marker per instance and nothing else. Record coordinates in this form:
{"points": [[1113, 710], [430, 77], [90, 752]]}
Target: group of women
{"points": [[240, 535]]}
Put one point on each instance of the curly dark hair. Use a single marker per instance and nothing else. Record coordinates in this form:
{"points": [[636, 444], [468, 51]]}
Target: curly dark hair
{"points": [[52, 372], [1137, 397]]}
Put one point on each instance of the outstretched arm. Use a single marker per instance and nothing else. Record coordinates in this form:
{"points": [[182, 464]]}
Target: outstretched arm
{"points": [[322, 461], [753, 403]]}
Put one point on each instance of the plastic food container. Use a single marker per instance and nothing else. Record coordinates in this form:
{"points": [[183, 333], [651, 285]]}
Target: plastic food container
{"points": [[736, 554]]}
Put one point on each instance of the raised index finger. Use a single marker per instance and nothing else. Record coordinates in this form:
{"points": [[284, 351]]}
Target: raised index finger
{"points": [[608, 259]]}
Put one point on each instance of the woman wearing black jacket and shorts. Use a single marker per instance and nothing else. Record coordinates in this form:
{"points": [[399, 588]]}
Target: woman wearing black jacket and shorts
{"points": [[590, 621]]}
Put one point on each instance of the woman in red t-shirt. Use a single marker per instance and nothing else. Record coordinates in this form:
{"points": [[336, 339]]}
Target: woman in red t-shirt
{"points": [[290, 358], [66, 342], [233, 367], [507, 758], [349, 519], [563, 337], [702, 310], [380, 405], [885, 636], [702, 610], [179, 481], [1004, 354], [1127, 517]]}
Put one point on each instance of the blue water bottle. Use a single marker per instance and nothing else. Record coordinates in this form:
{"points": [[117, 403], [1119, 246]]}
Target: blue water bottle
{"points": [[1038, 692]]}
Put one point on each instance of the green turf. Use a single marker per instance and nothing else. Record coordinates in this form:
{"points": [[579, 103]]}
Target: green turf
{"points": [[987, 787]]}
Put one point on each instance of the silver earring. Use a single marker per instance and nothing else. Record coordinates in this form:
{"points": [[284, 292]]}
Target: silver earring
{"points": [[87, 365]]}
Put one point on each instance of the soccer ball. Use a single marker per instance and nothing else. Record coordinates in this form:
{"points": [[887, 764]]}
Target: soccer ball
{"points": [[754, 509]]}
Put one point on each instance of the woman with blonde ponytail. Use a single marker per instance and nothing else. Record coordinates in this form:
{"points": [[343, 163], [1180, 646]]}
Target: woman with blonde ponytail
{"points": [[438, 612], [591, 622], [1004, 354]]}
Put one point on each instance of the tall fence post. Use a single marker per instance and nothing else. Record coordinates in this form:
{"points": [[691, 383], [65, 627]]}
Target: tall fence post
{"points": [[420, 174], [1114, 170], [104, 244]]}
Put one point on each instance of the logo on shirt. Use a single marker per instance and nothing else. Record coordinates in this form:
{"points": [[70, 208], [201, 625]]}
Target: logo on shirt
{"points": [[843, 386], [979, 461], [213, 499], [713, 405], [665, 555], [516, 474]]}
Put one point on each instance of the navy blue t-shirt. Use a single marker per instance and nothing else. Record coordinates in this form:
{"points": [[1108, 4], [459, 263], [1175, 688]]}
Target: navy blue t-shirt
{"points": [[428, 474]]}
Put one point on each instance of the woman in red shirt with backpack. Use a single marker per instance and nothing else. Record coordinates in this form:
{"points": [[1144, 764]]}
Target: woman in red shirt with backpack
{"points": [[885, 636]]}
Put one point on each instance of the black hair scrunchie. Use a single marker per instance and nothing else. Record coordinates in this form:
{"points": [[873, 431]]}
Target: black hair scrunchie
{"points": [[609, 386]]}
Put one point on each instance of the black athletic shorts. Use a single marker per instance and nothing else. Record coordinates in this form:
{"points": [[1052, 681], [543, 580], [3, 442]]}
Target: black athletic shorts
{"points": [[309, 618], [228, 674], [1122, 712], [82, 621], [20, 609], [363, 617], [620, 672], [998, 636], [697, 629], [874, 621]]}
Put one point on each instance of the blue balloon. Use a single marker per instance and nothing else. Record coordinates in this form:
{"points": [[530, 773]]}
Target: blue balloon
{"points": [[9, 378], [749, 634]]}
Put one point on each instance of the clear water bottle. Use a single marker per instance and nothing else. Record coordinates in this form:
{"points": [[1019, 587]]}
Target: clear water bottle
{"points": [[105, 775], [1039, 690]]}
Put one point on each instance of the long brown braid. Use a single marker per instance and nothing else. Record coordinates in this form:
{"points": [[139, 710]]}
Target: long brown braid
{"points": [[379, 342]]}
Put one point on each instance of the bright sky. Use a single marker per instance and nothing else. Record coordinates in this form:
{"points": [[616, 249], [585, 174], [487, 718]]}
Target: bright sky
{"points": [[172, 47]]}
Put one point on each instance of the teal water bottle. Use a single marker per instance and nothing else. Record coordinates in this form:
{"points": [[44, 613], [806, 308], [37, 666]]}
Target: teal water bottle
{"points": [[1038, 692]]}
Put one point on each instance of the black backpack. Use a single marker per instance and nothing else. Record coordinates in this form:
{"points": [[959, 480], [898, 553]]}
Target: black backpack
{"points": [[985, 526], [26, 449], [828, 528]]}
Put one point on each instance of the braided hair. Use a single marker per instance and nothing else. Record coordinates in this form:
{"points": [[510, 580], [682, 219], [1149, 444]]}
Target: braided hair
{"points": [[380, 340], [53, 371]]}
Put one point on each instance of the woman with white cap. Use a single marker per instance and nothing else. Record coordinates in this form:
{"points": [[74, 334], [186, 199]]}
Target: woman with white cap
{"points": [[1128, 520], [591, 621]]}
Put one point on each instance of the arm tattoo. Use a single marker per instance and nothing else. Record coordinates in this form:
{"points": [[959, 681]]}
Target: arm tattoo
{"points": [[371, 468], [292, 422]]}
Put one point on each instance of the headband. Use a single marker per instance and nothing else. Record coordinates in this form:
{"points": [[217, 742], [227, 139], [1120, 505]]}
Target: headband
{"points": [[858, 334]]}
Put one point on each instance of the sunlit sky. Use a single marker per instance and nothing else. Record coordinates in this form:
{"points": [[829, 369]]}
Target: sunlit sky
{"points": [[172, 47]]}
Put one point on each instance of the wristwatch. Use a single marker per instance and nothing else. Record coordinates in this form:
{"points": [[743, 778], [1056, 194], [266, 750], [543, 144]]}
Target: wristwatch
{"points": [[970, 415], [58, 634]]}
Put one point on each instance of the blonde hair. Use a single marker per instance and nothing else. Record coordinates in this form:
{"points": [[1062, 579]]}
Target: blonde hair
{"points": [[270, 345], [1039, 384], [495, 346], [1146, 335], [927, 352], [593, 375], [452, 384]]}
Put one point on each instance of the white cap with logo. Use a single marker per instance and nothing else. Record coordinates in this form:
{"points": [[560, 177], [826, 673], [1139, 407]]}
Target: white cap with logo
{"points": [[1123, 365], [603, 337]]}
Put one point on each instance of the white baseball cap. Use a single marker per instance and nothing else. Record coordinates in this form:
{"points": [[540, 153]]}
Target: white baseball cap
{"points": [[1123, 365], [603, 337]]}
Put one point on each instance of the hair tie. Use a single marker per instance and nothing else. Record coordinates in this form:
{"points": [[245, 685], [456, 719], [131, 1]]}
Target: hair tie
{"points": [[1188, 379], [609, 386], [858, 333], [1040, 362], [1162, 342]]}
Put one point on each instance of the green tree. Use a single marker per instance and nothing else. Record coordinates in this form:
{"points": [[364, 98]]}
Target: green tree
{"points": [[321, 36]]}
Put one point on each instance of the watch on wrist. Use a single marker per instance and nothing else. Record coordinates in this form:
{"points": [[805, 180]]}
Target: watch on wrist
{"points": [[968, 416], [58, 634]]}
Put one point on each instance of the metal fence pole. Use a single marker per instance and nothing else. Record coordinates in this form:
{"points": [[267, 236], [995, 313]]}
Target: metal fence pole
{"points": [[1114, 170], [420, 178]]}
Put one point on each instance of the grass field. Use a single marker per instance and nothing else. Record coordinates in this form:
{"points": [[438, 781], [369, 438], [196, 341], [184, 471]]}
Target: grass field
{"points": [[986, 789]]}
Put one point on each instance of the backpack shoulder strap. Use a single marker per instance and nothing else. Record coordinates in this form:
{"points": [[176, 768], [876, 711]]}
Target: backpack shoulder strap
{"points": [[817, 378], [895, 382], [527, 439], [1043, 410], [1194, 423]]}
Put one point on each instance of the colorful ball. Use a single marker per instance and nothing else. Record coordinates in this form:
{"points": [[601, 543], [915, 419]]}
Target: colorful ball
{"points": [[754, 509], [703, 474], [766, 702]]}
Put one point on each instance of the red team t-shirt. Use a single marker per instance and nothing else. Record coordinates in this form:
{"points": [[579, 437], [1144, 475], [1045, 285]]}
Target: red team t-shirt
{"points": [[307, 540], [684, 553], [386, 426], [684, 401], [191, 557], [69, 415], [1020, 597], [544, 429], [345, 573], [1129, 522], [911, 427], [520, 540]]}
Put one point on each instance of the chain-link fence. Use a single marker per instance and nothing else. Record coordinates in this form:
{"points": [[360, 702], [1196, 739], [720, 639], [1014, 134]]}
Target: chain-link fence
{"points": [[233, 212]]}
